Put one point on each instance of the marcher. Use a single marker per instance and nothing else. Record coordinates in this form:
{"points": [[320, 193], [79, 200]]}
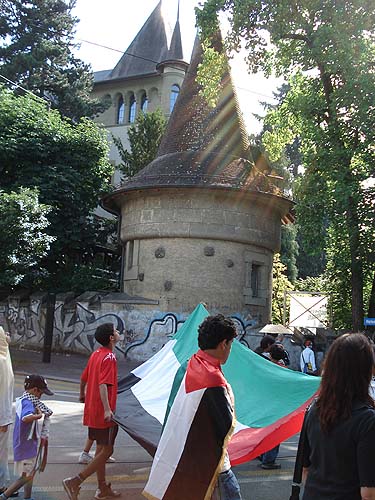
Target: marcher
{"points": [[339, 445], [98, 390], [268, 458], [279, 340], [191, 461], [6, 400], [307, 359], [264, 347], [277, 354], [29, 409]]}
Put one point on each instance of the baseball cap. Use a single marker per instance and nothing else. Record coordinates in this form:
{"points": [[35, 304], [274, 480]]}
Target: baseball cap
{"points": [[39, 382]]}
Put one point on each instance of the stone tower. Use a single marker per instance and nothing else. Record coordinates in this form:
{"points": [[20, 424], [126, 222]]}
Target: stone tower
{"points": [[202, 221]]}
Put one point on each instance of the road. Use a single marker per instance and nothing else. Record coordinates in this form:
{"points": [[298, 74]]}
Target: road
{"points": [[130, 471]]}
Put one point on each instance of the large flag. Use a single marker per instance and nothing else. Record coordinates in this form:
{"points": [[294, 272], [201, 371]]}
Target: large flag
{"points": [[269, 400], [198, 426]]}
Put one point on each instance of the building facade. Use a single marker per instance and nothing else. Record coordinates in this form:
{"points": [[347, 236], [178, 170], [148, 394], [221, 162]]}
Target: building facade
{"points": [[148, 76]]}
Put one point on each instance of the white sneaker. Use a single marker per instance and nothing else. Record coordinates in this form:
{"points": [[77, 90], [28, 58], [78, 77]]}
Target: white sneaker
{"points": [[85, 458]]}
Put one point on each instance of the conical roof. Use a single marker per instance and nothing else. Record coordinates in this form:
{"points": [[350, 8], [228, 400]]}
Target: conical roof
{"points": [[148, 49], [203, 146], [150, 46], [175, 51]]}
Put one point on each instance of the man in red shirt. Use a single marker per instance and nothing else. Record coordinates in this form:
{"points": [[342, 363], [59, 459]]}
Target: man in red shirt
{"points": [[98, 390]]}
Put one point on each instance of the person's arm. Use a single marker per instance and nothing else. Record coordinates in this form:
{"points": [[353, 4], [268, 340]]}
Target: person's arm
{"points": [[32, 416], [305, 473], [82, 390], [367, 493], [312, 361], [103, 391]]}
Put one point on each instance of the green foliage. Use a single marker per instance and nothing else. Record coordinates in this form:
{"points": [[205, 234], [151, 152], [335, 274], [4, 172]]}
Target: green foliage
{"points": [[144, 136], [289, 250], [79, 278], [280, 285], [211, 70], [326, 51], [23, 238], [68, 165], [36, 42]]}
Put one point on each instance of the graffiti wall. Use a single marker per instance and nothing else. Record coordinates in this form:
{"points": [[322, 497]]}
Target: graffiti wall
{"points": [[145, 331]]}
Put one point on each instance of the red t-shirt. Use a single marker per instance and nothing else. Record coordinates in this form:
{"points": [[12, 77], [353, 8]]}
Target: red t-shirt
{"points": [[101, 369]]}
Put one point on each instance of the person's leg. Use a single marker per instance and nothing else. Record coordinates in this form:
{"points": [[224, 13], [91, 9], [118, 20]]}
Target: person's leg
{"points": [[85, 457], [228, 486], [105, 439], [88, 445], [25, 481], [4, 472], [98, 463], [28, 488], [269, 457]]}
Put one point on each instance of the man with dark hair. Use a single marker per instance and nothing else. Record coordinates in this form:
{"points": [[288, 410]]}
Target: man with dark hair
{"points": [[191, 461], [265, 345], [277, 354], [98, 390]]}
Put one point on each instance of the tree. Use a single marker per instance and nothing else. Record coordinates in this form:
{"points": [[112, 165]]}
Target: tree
{"points": [[23, 238], [67, 163], [36, 42], [280, 285], [144, 137], [326, 50]]}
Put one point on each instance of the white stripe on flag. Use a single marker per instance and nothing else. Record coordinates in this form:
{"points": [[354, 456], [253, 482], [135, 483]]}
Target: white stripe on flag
{"points": [[153, 390], [144, 369], [172, 442]]}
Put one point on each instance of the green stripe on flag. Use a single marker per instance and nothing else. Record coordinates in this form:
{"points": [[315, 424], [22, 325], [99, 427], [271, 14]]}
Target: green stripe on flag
{"points": [[187, 336], [265, 392], [179, 377]]}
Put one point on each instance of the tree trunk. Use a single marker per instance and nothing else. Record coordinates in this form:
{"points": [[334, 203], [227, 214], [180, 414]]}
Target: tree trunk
{"points": [[356, 267], [371, 304], [371, 307]]}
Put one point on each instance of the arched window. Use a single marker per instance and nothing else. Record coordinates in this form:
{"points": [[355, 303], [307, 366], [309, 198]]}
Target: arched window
{"points": [[144, 102], [132, 109], [175, 90], [120, 110]]}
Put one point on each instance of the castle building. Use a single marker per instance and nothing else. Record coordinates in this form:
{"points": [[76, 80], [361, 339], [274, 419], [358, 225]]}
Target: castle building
{"points": [[148, 76], [201, 222]]}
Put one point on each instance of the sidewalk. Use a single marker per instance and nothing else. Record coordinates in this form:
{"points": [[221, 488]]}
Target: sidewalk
{"points": [[67, 367]]}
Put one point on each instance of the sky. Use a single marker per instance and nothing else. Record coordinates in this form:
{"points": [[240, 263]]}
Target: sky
{"points": [[114, 24]]}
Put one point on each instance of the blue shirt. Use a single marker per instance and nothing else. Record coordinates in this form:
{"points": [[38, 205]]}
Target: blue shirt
{"points": [[25, 437]]}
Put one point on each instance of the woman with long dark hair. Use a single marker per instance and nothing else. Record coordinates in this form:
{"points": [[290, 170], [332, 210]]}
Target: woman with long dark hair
{"points": [[339, 451]]}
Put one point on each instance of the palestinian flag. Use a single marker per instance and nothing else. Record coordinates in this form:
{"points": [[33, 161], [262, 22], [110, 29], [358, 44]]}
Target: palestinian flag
{"points": [[198, 426], [269, 399]]}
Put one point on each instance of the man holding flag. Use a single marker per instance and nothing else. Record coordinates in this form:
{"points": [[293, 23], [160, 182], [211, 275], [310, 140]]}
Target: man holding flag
{"points": [[191, 460]]}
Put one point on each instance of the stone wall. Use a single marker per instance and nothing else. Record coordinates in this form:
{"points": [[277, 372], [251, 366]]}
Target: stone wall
{"points": [[145, 329]]}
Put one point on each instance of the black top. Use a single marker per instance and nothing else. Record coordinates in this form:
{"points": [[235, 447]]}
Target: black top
{"points": [[342, 461]]}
